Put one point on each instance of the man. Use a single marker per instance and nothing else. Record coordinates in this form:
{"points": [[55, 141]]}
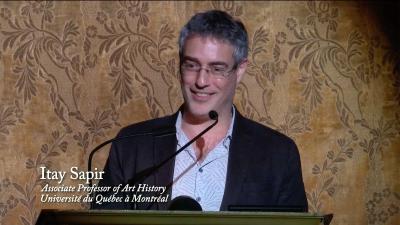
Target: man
{"points": [[237, 162]]}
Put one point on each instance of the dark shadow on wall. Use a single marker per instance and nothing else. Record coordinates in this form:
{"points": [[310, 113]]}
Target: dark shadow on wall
{"points": [[387, 16]]}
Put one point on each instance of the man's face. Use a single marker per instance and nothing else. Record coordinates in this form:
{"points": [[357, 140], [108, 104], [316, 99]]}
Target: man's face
{"points": [[202, 91]]}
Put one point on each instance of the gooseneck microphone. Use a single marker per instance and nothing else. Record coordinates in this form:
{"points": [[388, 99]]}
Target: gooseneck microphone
{"points": [[165, 131], [181, 203], [213, 115], [149, 171]]}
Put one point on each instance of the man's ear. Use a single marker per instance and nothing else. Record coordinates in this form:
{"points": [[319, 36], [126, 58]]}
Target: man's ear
{"points": [[241, 70]]}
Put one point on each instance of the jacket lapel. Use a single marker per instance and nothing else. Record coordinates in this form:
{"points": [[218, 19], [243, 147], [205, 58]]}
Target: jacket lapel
{"points": [[238, 161], [163, 148]]}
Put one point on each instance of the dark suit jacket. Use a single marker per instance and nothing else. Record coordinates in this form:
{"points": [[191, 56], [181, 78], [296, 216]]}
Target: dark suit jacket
{"points": [[263, 164]]}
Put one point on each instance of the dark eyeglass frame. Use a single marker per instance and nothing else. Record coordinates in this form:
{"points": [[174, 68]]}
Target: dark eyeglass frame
{"points": [[212, 70]]}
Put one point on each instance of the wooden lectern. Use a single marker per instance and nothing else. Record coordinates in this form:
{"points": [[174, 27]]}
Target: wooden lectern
{"points": [[128, 217]]}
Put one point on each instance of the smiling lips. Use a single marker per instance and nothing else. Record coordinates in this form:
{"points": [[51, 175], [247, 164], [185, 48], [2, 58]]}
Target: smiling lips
{"points": [[201, 96]]}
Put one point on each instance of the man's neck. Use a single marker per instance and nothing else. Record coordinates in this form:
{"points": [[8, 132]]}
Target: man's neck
{"points": [[209, 140], [193, 125]]}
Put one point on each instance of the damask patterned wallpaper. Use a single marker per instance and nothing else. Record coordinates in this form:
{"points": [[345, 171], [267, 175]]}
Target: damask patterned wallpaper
{"points": [[324, 73]]}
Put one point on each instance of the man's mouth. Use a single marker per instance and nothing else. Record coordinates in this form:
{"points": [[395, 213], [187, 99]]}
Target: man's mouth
{"points": [[201, 95]]}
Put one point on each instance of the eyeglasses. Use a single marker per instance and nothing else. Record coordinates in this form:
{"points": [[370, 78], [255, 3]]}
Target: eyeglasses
{"points": [[217, 71]]}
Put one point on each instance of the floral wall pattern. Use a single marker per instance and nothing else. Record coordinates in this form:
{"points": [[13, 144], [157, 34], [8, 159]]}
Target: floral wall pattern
{"points": [[325, 73]]}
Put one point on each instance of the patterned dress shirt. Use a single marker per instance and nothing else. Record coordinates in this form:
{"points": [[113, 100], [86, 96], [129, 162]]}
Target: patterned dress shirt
{"points": [[203, 181]]}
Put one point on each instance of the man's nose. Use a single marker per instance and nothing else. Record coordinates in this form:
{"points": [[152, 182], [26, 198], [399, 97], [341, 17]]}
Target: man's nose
{"points": [[203, 78]]}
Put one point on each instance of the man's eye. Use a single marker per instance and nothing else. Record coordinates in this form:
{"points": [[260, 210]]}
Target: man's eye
{"points": [[218, 69], [191, 65]]}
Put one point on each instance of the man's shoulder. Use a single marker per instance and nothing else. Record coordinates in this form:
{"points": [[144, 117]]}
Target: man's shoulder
{"points": [[151, 125], [265, 133]]}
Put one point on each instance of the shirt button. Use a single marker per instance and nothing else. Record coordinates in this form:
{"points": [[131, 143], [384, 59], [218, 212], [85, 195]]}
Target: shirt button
{"points": [[201, 170], [198, 199]]}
